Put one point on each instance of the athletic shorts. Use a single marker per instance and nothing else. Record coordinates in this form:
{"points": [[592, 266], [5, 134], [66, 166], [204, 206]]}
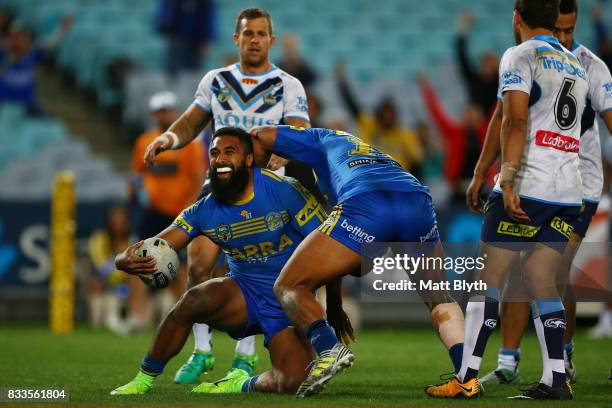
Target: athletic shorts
{"points": [[587, 211], [551, 224], [266, 316], [383, 216]]}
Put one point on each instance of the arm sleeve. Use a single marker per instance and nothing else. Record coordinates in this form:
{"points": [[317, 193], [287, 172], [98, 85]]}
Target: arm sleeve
{"points": [[516, 70], [203, 95], [187, 220], [295, 104], [295, 143], [305, 211], [600, 87]]}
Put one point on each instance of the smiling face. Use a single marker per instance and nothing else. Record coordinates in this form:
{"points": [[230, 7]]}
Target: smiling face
{"points": [[254, 40], [230, 167]]}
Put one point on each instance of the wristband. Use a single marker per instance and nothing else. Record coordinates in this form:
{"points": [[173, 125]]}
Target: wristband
{"points": [[507, 173], [170, 140]]}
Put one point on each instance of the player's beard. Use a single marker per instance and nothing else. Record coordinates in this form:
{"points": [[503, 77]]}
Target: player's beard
{"points": [[230, 190]]}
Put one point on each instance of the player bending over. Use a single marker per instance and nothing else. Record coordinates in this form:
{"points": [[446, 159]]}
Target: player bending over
{"points": [[373, 193], [515, 315], [539, 194], [258, 219]]}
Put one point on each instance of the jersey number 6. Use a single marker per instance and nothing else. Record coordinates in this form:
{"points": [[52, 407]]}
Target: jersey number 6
{"points": [[566, 107]]}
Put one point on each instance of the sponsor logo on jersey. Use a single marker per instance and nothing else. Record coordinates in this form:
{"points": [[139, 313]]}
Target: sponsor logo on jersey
{"points": [[517, 230], [509, 78], [607, 90], [308, 211], [356, 233], [562, 227], [182, 224], [249, 81], [562, 64], [490, 323], [556, 141], [554, 323], [274, 221], [242, 121], [261, 250], [224, 234], [431, 234], [269, 99], [302, 104]]}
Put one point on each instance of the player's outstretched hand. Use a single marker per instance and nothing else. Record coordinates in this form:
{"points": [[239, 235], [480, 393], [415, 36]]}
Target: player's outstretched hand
{"points": [[338, 319], [512, 204], [154, 148], [276, 162], [128, 262], [472, 194]]}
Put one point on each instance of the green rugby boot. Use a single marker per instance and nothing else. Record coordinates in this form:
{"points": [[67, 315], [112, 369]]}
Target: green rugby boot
{"points": [[230, 384], [501, 376], [141, 384], [245, 362], [198, 364]]}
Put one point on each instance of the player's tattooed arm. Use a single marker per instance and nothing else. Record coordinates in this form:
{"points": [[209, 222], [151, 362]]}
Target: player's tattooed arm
{"points": [[263, 142], [488, 155], [186, 128], [513, 135]]}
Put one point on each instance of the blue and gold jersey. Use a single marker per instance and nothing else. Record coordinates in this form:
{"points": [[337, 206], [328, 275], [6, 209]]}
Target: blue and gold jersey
{"points": [[344, 164], [258, 235]]}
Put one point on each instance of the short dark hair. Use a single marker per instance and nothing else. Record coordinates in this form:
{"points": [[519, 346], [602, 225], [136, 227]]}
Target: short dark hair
{"points": [[252, 14], [568, 7], [538, 13], [241, 134]]}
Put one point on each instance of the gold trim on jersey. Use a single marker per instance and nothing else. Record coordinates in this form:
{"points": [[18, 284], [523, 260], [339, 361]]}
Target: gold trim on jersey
{"points": [[271, 174], [246, 200], [330, 223]]}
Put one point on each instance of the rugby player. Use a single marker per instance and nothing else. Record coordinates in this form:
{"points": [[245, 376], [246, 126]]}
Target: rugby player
{"points": [[251, 93], [376, 201], [537, 198], [258, 219], [515, 315]]}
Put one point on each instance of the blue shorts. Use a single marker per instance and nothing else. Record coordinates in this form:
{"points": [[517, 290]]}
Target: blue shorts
{"points": [[383, 216], [587, 211], [551, 224], [266, 316]]}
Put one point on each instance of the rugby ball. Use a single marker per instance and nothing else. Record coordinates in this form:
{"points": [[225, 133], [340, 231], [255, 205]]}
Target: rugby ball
{"points": [[166, 261]]}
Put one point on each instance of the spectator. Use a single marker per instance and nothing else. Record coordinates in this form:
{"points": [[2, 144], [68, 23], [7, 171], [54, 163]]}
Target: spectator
{"points": [[462, 140], [430, 169], [189, 27], [603, 46], [383, 129], [294, 64], [482, 83], [19, 60], [108, 287]]}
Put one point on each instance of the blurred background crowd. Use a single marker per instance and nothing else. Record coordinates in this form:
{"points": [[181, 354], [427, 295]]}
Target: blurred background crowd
{"points": [[85, 84]]}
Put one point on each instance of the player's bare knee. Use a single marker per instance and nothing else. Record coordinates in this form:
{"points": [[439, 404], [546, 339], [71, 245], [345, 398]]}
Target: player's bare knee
{"points": [[285, 295], [289, 384]]}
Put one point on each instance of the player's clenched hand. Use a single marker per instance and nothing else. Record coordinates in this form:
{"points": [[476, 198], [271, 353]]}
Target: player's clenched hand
{"points": [[128, 262], [512, 204], [472, 194], [276, 162], [337, 318]]}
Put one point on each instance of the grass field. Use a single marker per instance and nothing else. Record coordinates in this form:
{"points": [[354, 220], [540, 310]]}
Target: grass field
{"points": [[391, 368]]}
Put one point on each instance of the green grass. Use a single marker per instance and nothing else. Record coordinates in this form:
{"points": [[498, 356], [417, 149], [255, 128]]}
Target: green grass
{"points": [[391, 368]]}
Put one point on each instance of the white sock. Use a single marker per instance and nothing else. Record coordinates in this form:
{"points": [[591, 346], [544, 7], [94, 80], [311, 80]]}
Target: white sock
{"points": [[605, 318], [203, 337], [474, 319], [246, 346], [548, 364], [507, 361]]}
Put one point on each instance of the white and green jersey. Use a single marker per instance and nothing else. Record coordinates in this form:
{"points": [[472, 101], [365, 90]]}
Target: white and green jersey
{"points": [[599, 101], [557, 86]]}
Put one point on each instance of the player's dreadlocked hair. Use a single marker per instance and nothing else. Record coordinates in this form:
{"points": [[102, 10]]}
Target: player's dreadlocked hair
{"points": [[241, 134], [252, 14], [568, 7], [538, 13]]}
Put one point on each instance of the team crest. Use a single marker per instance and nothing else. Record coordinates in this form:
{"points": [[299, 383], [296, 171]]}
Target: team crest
{"points": [[269, 99], [246, 214], [274, 221], [223, 95], [224, 233]]}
